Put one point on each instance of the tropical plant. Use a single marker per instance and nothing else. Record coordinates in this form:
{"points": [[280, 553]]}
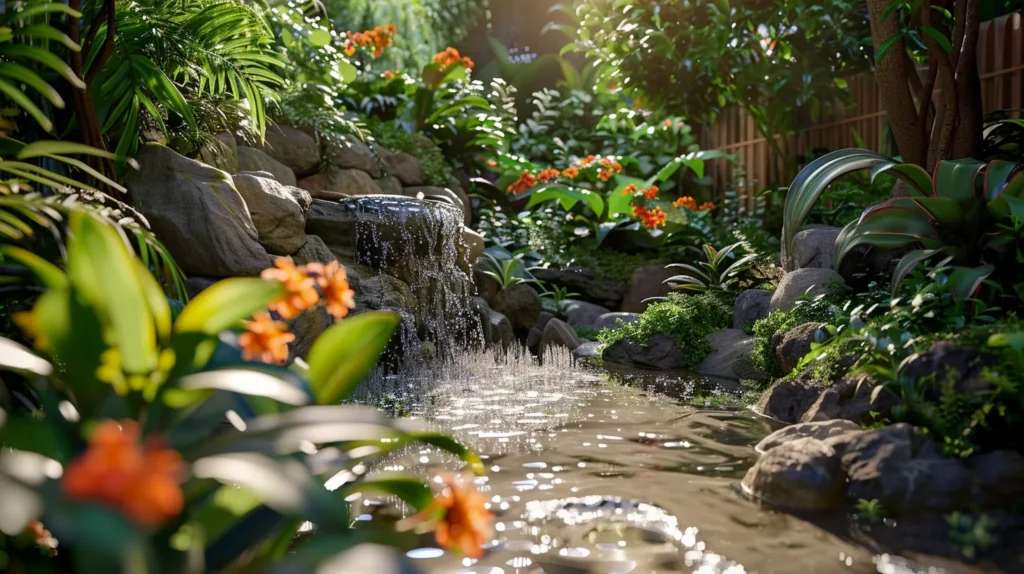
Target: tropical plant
{"points": [[968, 211], [716, 272], [556, 293], [507, 272], [142, 441], [1003, 139], [871, 510]]}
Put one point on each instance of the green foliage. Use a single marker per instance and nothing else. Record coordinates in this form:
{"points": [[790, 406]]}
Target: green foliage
{"points": [[439, 172], [113, 350], [819, 310], [687, 318], [588, 333], [871, 510], [716, 273], [507, 272], [973, 535]]}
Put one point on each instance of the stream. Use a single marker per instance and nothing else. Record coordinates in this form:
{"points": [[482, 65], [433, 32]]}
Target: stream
{"points": [[589, 472]]}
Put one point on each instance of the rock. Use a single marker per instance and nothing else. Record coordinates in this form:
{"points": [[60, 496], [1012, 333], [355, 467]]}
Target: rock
{"points": [[615, 321], [963, 366], [751, 305], [197, 213], [278, 212], [389, 185], [195, 285], [428, 351], [350, 182], [788, 399], [804, 281], [251, 159], [474, 244], [294, 148], [730, 356], [433, 191], [542, 320], [483, 315], [851, 400], [581, 313], [382, 291], [645, 283], [520, 303], [486, 286], [802, 474], [221, 152], [501, 328], [899, 465], [588, 349], [327, 220], [349, 153], [405, 167], [817, 430], [534, 339], [998, 478], [307, 327], [313, 251], [604, 292], [795, 344], [813, 248], [560, 334], [660, 352], [467, 206]]}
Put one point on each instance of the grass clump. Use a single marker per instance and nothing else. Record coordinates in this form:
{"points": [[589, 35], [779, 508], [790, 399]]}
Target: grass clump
{"points": [[686, 318]]}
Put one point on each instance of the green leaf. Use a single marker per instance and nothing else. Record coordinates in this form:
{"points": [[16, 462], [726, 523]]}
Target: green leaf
{"points": [[227, 302], [246, 382], [913, 175], [884, 48], [907, 264], [49, 274], [886, 227], [618, 203], [939, 38], [320, 38], [102, 270], [449, 444], [963, 282], [407, 487], [567, 197], [344, 354], [957, 179]]}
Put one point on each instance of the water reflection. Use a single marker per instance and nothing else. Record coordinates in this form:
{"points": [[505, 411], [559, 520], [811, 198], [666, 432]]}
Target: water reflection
{"points": [[588, 475]]}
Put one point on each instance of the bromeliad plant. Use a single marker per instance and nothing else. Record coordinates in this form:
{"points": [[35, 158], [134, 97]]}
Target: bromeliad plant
{"points": [[143, 442], [716, 273], [967, 211]]}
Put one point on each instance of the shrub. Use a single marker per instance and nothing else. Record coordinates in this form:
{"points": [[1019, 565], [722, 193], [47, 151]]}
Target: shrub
{"points": [[820, 309], [688, 319]]}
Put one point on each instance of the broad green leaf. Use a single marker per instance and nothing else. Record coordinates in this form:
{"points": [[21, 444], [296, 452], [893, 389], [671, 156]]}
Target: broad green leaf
{"points": [[907, 264], [567, 197], [412, 489], [320, 38], [344, 354], [49, 274], [224, 304], [957, 179], [963, 282], [886, 227], [449, 444], [884, 48], [1013, 340], [939, 38], [103, 272], [619, 203], [246, 382], [912, 174]]}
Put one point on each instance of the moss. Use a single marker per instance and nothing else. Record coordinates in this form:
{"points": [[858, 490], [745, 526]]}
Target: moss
{"points": [[687, 318], [588, 333], [439, 173], [763, 355]]}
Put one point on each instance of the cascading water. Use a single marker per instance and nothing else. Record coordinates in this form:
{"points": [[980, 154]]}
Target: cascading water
{"points": [[420, 243]]}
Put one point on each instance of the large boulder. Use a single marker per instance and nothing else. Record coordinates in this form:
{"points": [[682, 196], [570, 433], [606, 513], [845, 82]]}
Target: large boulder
{"points": [[278, 212], [793, 345], [818, 430], [813, 248], [405, 167], [252, 159], [560, 334], [314, 250], [501, 330], [521, 304], [803, 474], [329, 221], [854, 399], [221, 152], [486, 285], [348, 152], [788, 399], [581, 313], [660, 352], [751, 305], [389, 185], [604, 292], [615, 321], [197, 213], [647, 282], [730, 357], [334, 181], [292, 147], [797, 283]]}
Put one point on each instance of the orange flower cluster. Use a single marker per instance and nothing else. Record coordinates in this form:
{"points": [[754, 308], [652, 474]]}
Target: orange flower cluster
{"points": [[650, 218], [377, 39], [629, 189], [548, 174], [333, 281], [691, 204], [450, 56], [648, 192], [460, 517], [586, 161], [571, 172], [610, 168], [300, 285], [265, 339], [388, 75], [525, 182], [140, 481], [44, 538]]}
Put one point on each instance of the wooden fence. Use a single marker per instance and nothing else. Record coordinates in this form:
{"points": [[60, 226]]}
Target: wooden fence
{"points": [[1001, 67]]}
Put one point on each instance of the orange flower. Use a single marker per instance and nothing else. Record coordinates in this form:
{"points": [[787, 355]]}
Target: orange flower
{"points": [[707, 205], [687, 202], [571, 172], [525, 182], [350, 49], [266, 339], [301, 293], [377, 53], [655, 218], [450, 56], [586, 161], [548, 175], [629, 189], [142, 482], [460, 517], [668, 123], [468, 62], [392, 30], [389, 75], [639, 211], [605, 174], [651, 192], [337, 294], [611, 165]]}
